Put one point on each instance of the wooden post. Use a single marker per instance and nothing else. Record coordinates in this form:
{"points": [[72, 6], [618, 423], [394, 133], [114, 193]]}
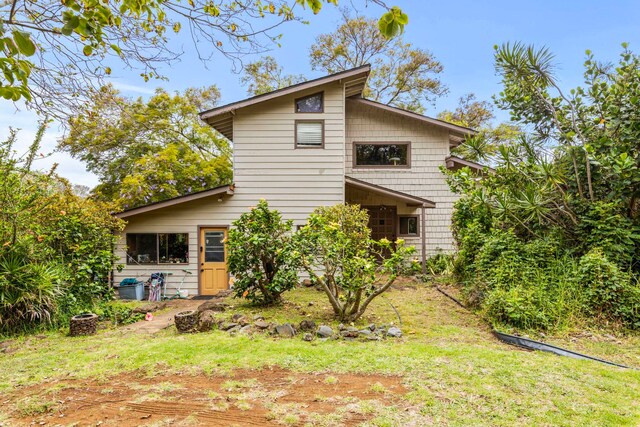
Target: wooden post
{"points": [[423, 236]]}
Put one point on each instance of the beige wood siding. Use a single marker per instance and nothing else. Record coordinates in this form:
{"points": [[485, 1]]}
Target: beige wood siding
{"points": [[266, 165], [429, 148]]}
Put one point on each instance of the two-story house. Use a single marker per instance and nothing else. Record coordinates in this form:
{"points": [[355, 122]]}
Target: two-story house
{"points": [[311, 144]]}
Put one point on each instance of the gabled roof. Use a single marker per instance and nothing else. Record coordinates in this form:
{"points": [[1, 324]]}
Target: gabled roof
{"points": [[409, 199], [221, 118], [456, 133], [225, 189]]}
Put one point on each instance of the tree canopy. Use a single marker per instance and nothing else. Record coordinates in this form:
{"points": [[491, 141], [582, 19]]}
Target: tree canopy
{"points": [[479, 115], [52, 53], [401, 75], [145, 152], [266, 75]]}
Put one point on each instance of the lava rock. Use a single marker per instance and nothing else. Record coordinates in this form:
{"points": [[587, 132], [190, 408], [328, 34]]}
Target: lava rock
{"points": [[394, 332], [307, 283], [212, 306], [236, 317], [366, 332], [307, 325], [307, 336], [349, 332], [285, 330], [324, 331], [261, 324], [206, 321], [372, 327], [247, 329], [258, 317], [227, 326]]}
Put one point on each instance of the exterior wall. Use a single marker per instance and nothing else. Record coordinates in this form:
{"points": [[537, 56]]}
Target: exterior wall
{"points": [[266, 165], [429, 148]]}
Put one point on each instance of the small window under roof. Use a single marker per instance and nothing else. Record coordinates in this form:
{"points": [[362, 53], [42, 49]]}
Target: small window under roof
{"points": [[310, 104]]}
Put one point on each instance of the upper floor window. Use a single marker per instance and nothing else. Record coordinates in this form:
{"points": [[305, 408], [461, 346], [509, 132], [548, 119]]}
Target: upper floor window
{"points": [[310, 104], [309, 134], [382, 154], [157, 248]]}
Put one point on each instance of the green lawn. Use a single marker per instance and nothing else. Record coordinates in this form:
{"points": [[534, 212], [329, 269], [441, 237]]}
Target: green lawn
{"points": [[455, 371]]}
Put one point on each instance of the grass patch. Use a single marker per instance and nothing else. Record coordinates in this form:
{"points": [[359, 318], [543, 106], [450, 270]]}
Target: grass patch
{"points": [[455, 371]]}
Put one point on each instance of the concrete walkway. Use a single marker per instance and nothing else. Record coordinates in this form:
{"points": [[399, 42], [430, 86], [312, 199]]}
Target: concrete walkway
{"points": [[163, 319]]}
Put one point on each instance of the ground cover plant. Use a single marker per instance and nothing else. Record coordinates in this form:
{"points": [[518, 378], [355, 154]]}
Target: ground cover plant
{"points": [[448, 369], [550, 238]]}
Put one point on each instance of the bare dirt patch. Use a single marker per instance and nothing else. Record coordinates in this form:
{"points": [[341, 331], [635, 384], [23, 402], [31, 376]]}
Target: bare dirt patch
{"points": [[271, 396]]}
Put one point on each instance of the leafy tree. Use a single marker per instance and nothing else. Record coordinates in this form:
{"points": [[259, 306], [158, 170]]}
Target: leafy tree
{"points": [[563, 201], [56, 248], [336, 250], [265, 75], [478, 115], [149, 151], [52, 53], [261, 255], [401, 75]]}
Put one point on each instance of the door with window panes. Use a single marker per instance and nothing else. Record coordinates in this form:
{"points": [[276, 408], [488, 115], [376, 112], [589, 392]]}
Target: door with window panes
{"points": [[213, 261]]}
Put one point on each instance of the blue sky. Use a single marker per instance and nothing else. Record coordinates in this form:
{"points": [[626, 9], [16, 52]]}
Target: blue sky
{"points": [[460, 34]]}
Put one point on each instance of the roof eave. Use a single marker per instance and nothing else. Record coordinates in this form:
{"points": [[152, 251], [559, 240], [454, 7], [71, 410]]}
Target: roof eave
{"points": [[223, 190], [409, 199]]}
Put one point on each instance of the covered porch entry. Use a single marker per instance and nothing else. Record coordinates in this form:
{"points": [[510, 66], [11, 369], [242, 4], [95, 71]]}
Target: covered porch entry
{"points": [[392, 214]]}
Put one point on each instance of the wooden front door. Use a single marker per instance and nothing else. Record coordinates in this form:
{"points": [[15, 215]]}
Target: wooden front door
{"points": [[382, 222], [213, 261]]}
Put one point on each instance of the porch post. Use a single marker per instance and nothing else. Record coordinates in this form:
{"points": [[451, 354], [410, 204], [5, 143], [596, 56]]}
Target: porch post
{"points": [[423, 236]]}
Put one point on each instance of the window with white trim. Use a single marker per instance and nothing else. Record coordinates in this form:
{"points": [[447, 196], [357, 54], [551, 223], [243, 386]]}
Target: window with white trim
{"points": [[309, 134]]}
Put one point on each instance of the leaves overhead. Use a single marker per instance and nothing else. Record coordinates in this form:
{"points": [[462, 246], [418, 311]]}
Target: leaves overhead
{"points": [[52, 53]]}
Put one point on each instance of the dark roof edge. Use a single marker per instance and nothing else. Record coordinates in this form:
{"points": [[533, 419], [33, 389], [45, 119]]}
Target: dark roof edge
{"points": [[223, 189]]}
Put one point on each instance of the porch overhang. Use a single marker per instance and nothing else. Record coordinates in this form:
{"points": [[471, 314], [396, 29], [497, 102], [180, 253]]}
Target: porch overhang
{"points": [[409, 199]]}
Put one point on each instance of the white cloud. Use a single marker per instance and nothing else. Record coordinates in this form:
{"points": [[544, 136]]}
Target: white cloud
{"points": [[126, 87]]}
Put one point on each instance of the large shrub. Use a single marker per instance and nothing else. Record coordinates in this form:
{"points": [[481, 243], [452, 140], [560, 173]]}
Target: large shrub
{"points": [[611, 294], [336, 250], [261, 255], [55, 247]]}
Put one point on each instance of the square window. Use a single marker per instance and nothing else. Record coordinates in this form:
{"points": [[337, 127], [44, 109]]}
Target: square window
{"points": [[408, 225], [310, 104], [309, 134]]}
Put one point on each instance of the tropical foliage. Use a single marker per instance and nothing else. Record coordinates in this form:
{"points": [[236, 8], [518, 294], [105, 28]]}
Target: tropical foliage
{"points": [[261, 255], [336, 250], [553, 236], [56, 249]]}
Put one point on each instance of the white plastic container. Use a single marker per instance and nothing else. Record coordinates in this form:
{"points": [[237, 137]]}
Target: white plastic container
{"points": [[184, 293]]}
